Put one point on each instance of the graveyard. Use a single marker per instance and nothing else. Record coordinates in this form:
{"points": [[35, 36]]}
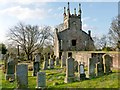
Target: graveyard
{"points": [[55, 79]]}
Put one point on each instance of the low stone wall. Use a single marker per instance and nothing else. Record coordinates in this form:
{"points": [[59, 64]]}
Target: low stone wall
{"points": [[83, 56]]}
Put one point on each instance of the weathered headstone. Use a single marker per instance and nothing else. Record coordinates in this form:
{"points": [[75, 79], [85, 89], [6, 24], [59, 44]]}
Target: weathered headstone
{"points": [[36, 68], [22, 76], [54, 57], [51, 63], [81, 72], [91, 67], [41, 80], [69, 70], [10, 71], [99, 69], [63, 59], [76, 66], [45, 63], [36, 64], [57, 61], [107, 59], [5, 62]]}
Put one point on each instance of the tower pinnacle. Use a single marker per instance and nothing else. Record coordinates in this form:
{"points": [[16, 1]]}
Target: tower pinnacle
{"points": [[68, 9], [64, 11], [74, 11], [79, 10]]}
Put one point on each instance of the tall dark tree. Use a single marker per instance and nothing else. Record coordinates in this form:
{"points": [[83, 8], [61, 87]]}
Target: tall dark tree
{"points": [[3, 48], [29, 37]]}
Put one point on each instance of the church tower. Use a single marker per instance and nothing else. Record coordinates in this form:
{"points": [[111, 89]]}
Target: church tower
{"points": [[72, 21]]}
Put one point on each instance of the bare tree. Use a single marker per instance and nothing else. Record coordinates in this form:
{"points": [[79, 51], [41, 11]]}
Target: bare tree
{"points": [[114, 31], [101, 42], [29, 37], [60, 27]]}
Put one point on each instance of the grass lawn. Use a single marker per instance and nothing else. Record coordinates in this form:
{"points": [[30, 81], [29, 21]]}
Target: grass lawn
{"points": [[55, 79]]}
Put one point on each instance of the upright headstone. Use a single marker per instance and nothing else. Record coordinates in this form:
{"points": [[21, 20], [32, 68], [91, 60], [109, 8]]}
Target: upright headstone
{"points": [[99, 69], [10, 71], [69, 70], [41, 80], [107, 59], [91, 67], [5, 62], [36, 68], [45, 63], [36, 64], [63, 59], [76, 66], [51, 62], [57, 61], [81, 72], [22, 76], [54, 57]]}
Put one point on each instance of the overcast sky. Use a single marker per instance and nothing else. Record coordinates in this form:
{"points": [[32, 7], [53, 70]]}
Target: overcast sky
{"points": [[96, 16]]}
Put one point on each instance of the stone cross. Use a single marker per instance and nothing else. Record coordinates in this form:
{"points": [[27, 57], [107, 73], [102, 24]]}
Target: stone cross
{"points": [[91, 67], [10, 70], [69, 70], [41, 80], [81, 72], [107, 59], [37, 57], [22, 76]]}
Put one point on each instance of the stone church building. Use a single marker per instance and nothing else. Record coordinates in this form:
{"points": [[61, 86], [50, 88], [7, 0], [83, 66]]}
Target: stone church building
{"points": [[72, 37]]}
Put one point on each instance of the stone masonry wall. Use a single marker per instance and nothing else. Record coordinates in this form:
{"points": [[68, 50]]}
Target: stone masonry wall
{"points": [[83, 56]]}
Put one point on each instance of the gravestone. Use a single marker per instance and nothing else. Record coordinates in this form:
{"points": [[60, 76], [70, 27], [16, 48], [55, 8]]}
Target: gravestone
{"points": [[57, 61], [36, 64], [45, 63], [10, 70], [51, 63], [5, 62], [22, 76], [107, 59], [41, 80], [69, 70], [99, 69], [54, 57], [76, 66], [91, 67], [81, 72], [63, 59], [36, 68]]}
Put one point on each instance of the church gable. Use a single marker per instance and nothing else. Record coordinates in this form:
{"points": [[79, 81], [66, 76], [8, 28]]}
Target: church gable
{"points": [[72, 37]]}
